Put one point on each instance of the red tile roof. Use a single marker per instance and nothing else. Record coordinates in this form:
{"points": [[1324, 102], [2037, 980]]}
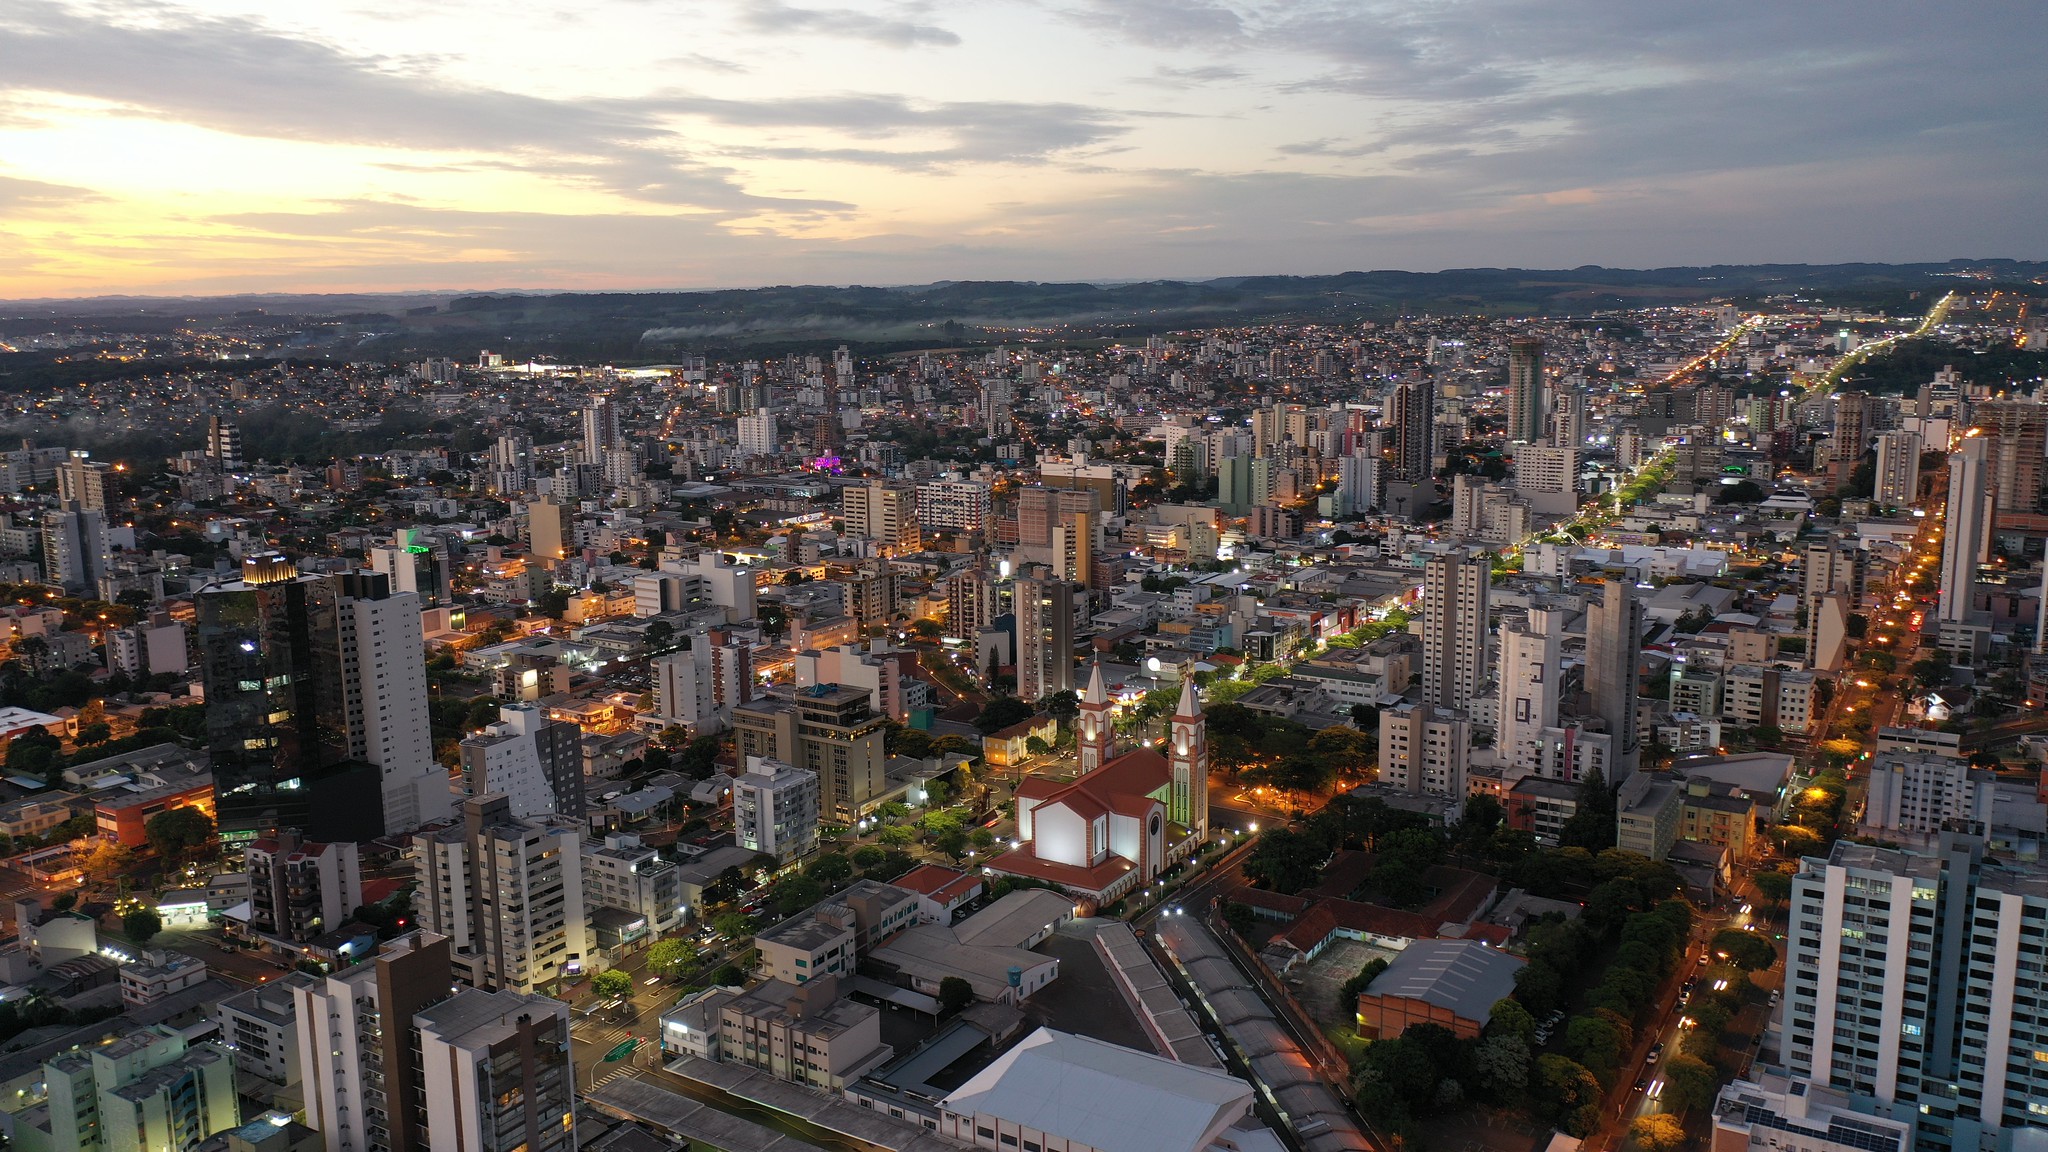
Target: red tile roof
{"points": [[942, 884]]}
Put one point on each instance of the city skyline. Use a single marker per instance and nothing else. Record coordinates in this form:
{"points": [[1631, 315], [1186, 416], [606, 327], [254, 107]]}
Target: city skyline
{"points": [[220, 148]]}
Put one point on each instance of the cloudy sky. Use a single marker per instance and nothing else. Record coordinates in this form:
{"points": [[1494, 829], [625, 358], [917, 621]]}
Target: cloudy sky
{"points": [[231, 145]]}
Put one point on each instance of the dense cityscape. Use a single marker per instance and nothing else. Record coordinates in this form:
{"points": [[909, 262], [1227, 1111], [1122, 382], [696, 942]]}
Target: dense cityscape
{"points": [[1606, 728]]}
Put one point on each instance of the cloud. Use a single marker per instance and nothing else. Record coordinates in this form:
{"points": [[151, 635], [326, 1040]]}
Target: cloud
{"points": [[771, 17], [1163, 23], [239, 76], [23, 196], [1201, 77], [703, 63], [975, 131]]}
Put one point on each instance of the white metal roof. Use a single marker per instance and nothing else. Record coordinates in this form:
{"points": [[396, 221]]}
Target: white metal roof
{"points": [[1107, 1097]]}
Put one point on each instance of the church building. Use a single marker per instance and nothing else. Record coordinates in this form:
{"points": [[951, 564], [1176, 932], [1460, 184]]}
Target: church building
{"points": [[1126, 818]]}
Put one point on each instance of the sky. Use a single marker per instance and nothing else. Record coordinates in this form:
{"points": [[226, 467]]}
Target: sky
{"points": [[228, 146]]}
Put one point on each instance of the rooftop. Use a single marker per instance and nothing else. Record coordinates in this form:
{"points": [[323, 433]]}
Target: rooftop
{"points": [[1110, 1098], [1464, 976]]}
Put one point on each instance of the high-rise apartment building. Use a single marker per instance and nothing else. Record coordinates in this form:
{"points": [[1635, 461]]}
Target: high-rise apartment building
{"points": [[700, 683], [2018, 454], [76, 551], [1547, 477], [1425, 750], [970, 602], [829, 729], [512, 467], [1966, 540], [1530, 672], [1044, 609], [758, 435], [299, 890], [775, 808], [1852, 427], [632, 892], [550, 530], [224, 442], [395, 1060], [1358, 482], [884, 512], [962, 505], [142, 1091], [316, 705], [534, 762], [508, 893], [1913, 984], [600, 428], [1528, 411], [1614, 648], [1455, 597], [84, 482], [1898, 468], [1412, 415]]}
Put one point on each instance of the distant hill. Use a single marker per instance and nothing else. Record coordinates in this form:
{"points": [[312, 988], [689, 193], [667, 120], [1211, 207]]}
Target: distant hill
{"points": [[651, 326]]}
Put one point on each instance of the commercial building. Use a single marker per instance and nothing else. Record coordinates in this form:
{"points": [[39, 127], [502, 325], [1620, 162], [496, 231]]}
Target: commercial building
{"points": [[828, 729], [534, 761], [300, 890], [1753, 696], [827, 938], [1919, 795], [1450, 983], [990, 949], [1058, 1092], [1455, 591], [507, 892], [316, 705], [775, 809]]}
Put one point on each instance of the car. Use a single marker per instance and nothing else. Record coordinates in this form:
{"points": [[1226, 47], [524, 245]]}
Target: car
{"points": [[1656, 1053], [1643, 1084], [652, 980]]}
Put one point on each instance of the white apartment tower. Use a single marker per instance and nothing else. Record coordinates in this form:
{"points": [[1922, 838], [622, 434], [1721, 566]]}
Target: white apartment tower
{"points": [[775, 808], [508, 893], [1966, 541], [534, 762], [1424, 749], [757, 434], [384, 694], [698, 685], [1898, 468], [1530, 669]]}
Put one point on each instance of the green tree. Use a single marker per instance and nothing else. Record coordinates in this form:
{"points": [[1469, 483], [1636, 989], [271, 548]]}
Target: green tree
{"points": [[611, 984], [953, 842], [734, 925], [1501, 1064], [1240, 917], [1569, 1094], [830, 868], [1286, 861], [1062, 706], [671, 957], [1509, 1018], [1659, 1131], [176, 831], [97, 732], [1690, 1082], [793, 895], [1000, 713], [1037, 746], [1749, 951], [955, 993], [868, 857], [1599, 1040], [141, 926], [1773, 886]]}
